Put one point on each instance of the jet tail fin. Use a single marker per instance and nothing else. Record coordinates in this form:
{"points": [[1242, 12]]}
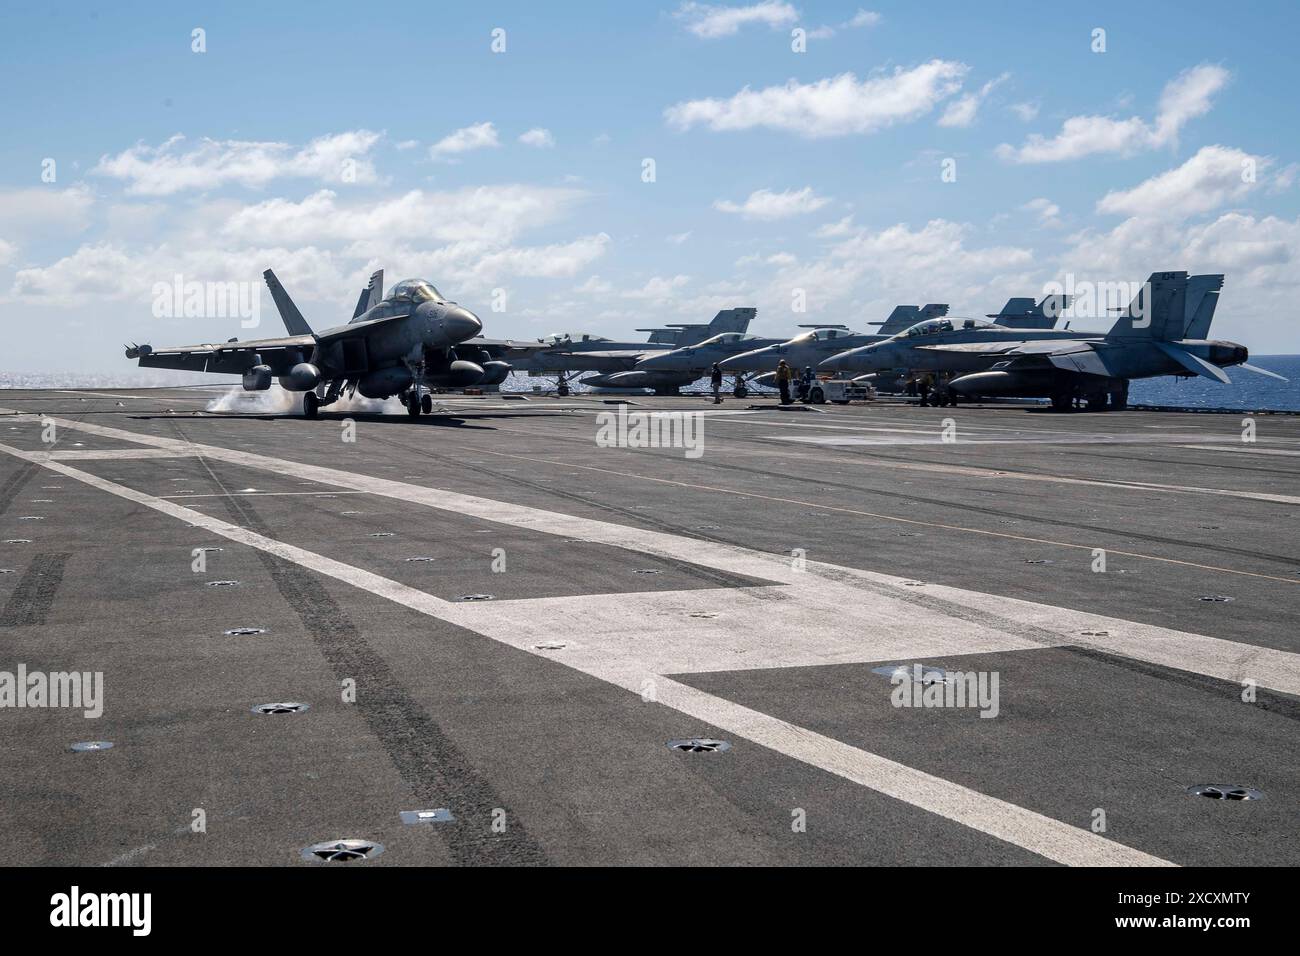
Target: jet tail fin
{"points": [[1202, 300], [901, 318], [1158, 311], [1021, 312], [371, 295], [294, 323], [732, 320]]}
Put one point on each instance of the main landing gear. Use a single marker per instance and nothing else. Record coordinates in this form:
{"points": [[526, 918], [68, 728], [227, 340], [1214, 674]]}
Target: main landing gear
{"points": [[310, 404]]}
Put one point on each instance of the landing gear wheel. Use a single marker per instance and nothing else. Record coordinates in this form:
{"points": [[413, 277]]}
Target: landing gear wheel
{"points": [[740, 392], [310, 404], [1119, 400], [1097, 402], [562, 390], [426, 404], [1062, 401], [412, 405]]}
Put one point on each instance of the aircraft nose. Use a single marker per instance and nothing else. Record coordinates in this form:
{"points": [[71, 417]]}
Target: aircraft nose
{"points": [[461, 324]]}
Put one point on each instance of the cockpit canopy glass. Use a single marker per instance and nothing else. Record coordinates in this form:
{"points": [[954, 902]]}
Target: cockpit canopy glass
{"points": [[935, 326], [562, 338], [725, 337], [416, 291]]}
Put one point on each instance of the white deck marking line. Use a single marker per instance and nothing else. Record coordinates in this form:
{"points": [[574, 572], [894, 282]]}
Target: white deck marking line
{"points": [[1000, 819], [114, 453], [267, 494], [1243, 449]]}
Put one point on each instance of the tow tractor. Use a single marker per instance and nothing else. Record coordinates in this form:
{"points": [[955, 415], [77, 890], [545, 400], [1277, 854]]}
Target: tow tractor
{"points": [[839, 391]]}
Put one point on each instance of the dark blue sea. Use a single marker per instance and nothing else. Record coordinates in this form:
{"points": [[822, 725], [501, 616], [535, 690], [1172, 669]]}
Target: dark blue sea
{"points": [[1247, 390]]}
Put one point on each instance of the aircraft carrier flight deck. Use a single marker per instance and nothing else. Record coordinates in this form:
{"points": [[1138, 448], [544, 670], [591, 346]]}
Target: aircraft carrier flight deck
{"points": [[490, 639]]}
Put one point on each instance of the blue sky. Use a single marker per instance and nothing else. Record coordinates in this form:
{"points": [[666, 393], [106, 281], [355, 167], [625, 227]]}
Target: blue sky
{"points": [[327, 139]]}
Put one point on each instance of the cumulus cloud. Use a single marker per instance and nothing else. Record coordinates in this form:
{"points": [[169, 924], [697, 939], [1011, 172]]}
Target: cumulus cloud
{"points": [[1187, 96], [1214, 176], [539, 137], [835, 106], [711, 22], [7, 252], [767, 205], [464, 140], [173, 167]]}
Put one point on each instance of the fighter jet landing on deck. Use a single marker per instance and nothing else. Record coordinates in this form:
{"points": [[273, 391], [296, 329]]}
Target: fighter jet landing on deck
{"points": [[397, 344]]}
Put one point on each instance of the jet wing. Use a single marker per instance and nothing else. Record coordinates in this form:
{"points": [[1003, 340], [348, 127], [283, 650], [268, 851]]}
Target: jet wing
{"points": [[356, 328], [1074, 356], [227, 357], [504, 348]]}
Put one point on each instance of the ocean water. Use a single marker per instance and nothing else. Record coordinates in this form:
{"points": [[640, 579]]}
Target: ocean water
{"points": [[1248, 390]]}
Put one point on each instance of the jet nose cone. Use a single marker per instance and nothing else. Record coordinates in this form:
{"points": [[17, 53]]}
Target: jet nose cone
{"points": [[461, 324]]}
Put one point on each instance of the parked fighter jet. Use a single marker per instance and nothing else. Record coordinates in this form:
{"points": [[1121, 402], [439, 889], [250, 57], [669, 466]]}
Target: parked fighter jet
{"points": [[1022, 313], [394, 345], [587, 353], [1148, 340], [808, 349], [685, 365]]}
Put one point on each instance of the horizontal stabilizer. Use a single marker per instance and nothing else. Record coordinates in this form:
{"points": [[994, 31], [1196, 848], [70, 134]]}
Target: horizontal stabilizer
{"points": [[1262, 371], [1192, 363]]}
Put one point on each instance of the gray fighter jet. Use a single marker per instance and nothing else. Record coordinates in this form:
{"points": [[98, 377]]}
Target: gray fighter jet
{"points": [[1150, 338], [394, 345], [809, 349], [685, 365], [616, 361]]}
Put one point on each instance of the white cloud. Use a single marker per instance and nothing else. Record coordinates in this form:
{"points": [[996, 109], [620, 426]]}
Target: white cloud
{"points": [[1185, 97], [961, 111], [832, 230], [678, 238], [710, 22], [1214, 176], [1048, 212], [483, 213], [7, 252], [407, 144], [46, 211], [171, 168], [834, 106], [767, 205], [464, 140], [539, 137], [863, 18], [1026, 112], [594, 285], [658, 288], [1257, 254]]}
